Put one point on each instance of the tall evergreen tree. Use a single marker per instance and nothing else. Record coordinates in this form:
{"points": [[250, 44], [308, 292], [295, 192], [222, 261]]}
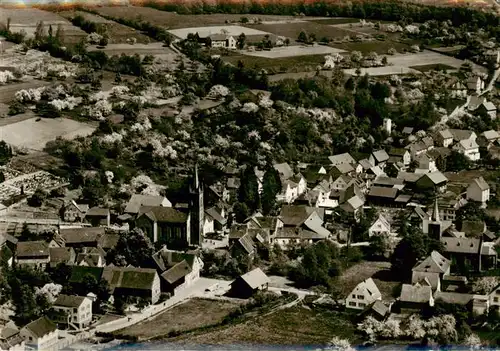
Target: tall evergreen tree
{"points": [[271, 186], [248, 193]]}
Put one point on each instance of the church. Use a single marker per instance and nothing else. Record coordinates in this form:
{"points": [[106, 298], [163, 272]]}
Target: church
{"points": [[177, 227]]}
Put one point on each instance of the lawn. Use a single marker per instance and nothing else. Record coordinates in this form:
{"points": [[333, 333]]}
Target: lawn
{"points": [[173, 20], [286, 64], [195, 313], [298, 325], [336, 20], [292, 30], [379, 46], [379, 271]]}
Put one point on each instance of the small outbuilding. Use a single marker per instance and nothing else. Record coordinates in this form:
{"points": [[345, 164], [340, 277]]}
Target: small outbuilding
{"points": [[249, 283]]}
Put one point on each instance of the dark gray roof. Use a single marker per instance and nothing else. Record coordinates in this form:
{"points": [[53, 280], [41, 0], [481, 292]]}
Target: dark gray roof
{"points": [[97, 212], [41, 327], [164, 214], [81, 235], [453, 297], [61, 255], [434, 263], [247, 243], [26, 249], [138, 200], [212, 212], [176, 272], [416, 293], [380, 155], [377, 191], [387, 181], [69, 300]]}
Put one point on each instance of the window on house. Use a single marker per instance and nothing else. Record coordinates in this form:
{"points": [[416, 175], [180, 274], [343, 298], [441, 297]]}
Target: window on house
{"points": [[352, 303], [495, 299], [361, 304], [353, 296], [361, 297]]}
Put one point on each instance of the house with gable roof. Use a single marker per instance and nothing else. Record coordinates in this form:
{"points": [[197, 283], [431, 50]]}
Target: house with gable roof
{"points": [[81, 237], [74, 212], [220, 40], [73, 311], [432, 270], [130, 281], [444, 138], [91, 257], [249, 283], [416, 296], [472, 252], [379, 158], [34, 254], [488, 108], [98, 216], [494, 298], [284, 169], [138, 200], [475, 84], [399, 155], [380, 226], [478, 191], [364, 294], [177, 269], [41, 334], [11, 339], [469, 148], [344, 158], [432, 181], [214, 221]]}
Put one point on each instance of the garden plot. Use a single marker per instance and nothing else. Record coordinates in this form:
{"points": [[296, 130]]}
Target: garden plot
{"points": [[33, 181], [423, 58], [290, 51], [26, 19], [382, 71], [33, 134], [156, 49], [206, 31]]}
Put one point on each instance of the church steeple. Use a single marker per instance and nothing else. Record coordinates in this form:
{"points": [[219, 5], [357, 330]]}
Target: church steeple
{"points": [[197, 209], [435, 213], [196, 180]]}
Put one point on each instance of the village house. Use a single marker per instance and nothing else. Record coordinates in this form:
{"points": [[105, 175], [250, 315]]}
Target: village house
{"points": [[91, 257], [341, 182], [65, 255], [138, 200], [221, 41], [354, 206], [73, 311], [416, 149], [432, 181], [34, 254], [284, 169], [364, 294], [41, 334], [243, 247], [215, 221], [425, 164], [431, 270], [457, 89], [461, 134], [308, 218], [494, 298], [487, 108], [98, 216], [165, 225], [469, 148], [289, 192], [449, 203], [380, 226], [471, 252], [344, 158], [488, 138], [399, 155], [382, 196], [415, 297], [8, 245], [177, 269], [478, 191], [11, 339], [379, 158], [444, 138], [475, 84], [249, 283], [81, 237], [74, 212]]}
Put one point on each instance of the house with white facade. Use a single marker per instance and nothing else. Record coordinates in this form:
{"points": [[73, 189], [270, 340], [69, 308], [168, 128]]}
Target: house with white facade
{"points": [[475, 84], [431, 270], [381, 226], [364, 294], [426, 164], [469, 148], [73, 311], [494, 297], [478, 190], [221, 41], [488, 108], [35, 254], [41, 334], [444, 138]]}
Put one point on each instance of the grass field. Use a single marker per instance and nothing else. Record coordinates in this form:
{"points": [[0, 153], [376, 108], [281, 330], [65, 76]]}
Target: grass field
{"points": [[378, 46], [208, 30], [173, 20], [287, 64], [337, 20], [292, 30], [294, 50], [156, 49], [193, 314], [118, 33], [293, 326], [433, 67], [33, 134], [27, 18]]}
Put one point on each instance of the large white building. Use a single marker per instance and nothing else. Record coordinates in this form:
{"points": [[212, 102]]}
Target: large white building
{"points": [[74, 311], [364, 294]]}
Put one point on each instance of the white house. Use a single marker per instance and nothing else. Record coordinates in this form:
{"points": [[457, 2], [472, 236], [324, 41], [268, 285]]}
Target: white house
{"points": [[74, 311], [469, 148], [475, 84], [342, 182], [381, 226], [289, 192], [222, 41], [41, 334], [444, 138], [426, 164], [478, 190], [344, 158], [363, 295], [488, 108], [494, 297]]}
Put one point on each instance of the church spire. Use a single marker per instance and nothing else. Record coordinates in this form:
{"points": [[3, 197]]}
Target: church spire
{"points": [[196, 180], [435, 214]]}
